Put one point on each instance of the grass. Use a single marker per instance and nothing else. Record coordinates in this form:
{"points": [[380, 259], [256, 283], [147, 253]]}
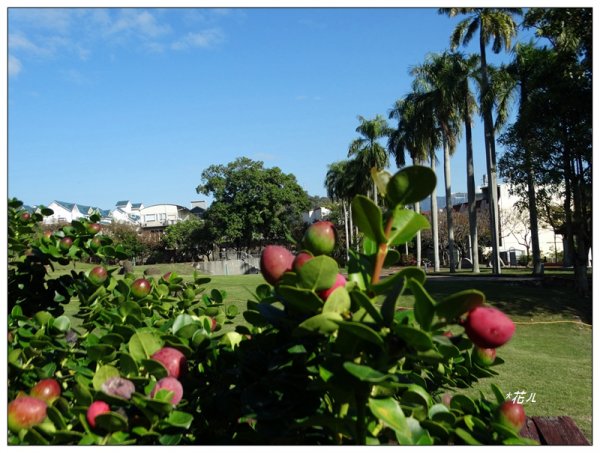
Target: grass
{"points": [[550, 354]]}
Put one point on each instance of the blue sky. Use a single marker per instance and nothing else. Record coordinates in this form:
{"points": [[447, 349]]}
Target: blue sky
{"points": [[114, 104]]}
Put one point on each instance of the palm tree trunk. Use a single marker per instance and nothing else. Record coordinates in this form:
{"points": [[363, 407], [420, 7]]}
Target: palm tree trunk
{"points": [[449, 206], [533, 217], [345, 208], [490, 158], [418, 211], [351, 225], [434, 223], [419, 258], [471, 195]]}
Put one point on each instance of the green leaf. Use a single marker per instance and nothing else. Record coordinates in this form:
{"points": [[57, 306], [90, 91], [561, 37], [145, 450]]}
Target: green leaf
{"points": [[181, 321], [62, 323], [369, 246], [323, 323], [368, 218], [300, 299], [459, 303], [102, 374], [467, 437], [365, 373], [382, 179], [127, 364], [405, 225], [101, 352], [417, 395], [411, 184], [416, 338], [111, 422], [464, 404], [498, 393], [338, 301], [318, 273], [155, 368], [170, 439], [362, 332], [180, 419], [390, 413], [409, 272], [424, 304], [143, 344], [362, 300]]}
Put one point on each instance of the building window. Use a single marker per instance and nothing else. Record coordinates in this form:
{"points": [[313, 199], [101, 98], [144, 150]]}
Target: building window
{"points": [[150, 218], [162, 216]]}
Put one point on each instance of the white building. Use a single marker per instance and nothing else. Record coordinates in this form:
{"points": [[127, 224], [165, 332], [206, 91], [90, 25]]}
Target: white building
{"points": [[159, 216], [515, 231], [315, 215], [65, 212]]}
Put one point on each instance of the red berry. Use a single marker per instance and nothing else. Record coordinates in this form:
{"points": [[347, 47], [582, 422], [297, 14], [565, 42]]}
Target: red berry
{"points": [[95, 409], [512, 415], [274, 262], [340, 280], [47, 390], [488, 327], [319, 238], [172, 359], [24, 412]]}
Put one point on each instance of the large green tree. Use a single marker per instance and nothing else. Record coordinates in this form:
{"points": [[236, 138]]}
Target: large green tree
{"points": [[498, 26], [550, 144], [253, 205]]}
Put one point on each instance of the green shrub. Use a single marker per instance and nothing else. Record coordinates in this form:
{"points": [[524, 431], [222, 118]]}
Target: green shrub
{"points": [[310, 366]]}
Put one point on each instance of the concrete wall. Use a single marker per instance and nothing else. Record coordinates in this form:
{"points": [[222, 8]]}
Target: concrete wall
{"points": [[229, 267]]}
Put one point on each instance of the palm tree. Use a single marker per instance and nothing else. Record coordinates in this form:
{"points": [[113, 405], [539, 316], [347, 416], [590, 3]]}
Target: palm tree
{"points": [[342, 182], [436, 80], [464, 69], [366, 150], [406, 139], [418, 133], [496, 23]]}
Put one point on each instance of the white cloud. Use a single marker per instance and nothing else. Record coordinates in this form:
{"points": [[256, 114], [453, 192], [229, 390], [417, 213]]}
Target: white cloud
{"points": [[203, 39], [138, 22], [54, 19], [14, 66], [17, 41]]}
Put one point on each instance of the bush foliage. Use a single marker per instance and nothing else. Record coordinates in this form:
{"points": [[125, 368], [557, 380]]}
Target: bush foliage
{"points": [[351, 369]]}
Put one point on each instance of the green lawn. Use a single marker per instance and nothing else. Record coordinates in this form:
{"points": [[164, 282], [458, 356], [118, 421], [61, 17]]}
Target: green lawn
{"points": [[550, 354]]}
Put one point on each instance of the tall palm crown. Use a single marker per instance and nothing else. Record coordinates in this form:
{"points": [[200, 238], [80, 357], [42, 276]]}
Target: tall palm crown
{"points": [[416, 133], [436, 81], [366, 150]]}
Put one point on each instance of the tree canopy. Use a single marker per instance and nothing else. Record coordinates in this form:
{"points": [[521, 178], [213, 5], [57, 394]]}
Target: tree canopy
{"points": [[252, 204]]}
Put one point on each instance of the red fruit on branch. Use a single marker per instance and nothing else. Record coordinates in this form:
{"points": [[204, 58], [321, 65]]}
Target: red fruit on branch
{"points": [[25, 412], [171, 384], [47, 390], [98, 275], [488, 327], [300, 259], [274, 262], [319, 238], [484, 356], [95, 409], [512, 415], [172, 359], [141, 288], [340, 280], [65, 243], [93, 228]]}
